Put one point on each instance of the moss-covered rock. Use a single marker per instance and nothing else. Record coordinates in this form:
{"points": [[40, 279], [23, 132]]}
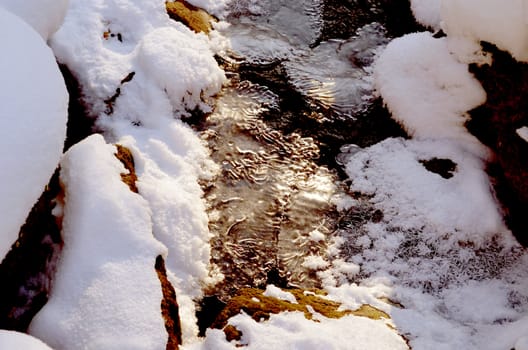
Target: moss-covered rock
{"points": [[252, 302], [193, 17]]}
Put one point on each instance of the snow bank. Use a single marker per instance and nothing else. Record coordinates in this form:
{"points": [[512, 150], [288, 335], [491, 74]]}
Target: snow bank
{"points": [[15, 340], [427, 90], [503, 23], [169, 71], [45, 16], [34, 111], [106, 294], [294, 331]]}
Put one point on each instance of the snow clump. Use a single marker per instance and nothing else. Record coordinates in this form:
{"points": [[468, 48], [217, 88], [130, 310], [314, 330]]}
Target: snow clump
{"points": [[34, 111]]}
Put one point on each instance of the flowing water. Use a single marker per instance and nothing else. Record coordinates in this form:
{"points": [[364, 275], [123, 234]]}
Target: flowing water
{"points": [[291, 95]]}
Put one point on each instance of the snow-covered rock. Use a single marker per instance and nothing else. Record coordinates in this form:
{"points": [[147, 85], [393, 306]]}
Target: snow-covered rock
{"points": [[45, 16], [427, 90], [106, 294], [503, 23], [11, 340], [34, 104]]}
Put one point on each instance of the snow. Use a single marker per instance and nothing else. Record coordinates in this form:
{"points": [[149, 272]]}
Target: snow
{"points": [[34, 110], [16, 340], [314, 262], [106, 293], [173, 71], [391, 172], [441, 248], [291, 330], [45, 16], [523, 133], [502, 23], [427, 90], [214, 7], [276, 292], [427, 12]]}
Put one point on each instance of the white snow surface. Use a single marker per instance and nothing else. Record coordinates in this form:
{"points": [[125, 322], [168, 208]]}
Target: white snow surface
{"points": [[45, 16], [214, 7], [503, 23], [34, 104], [427, 90], [275, 292], [106, 293], [523, 133], [427, 12], [11, 340], [291, 330]]}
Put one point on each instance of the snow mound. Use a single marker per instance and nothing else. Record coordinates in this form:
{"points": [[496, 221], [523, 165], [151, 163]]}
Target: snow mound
{"points": [[275, 292], [15, 340], [294, 331], [427, 12], [411, 197], [45, 16], [106, 294], [34, 111], [523, 133], [501, 23], [427, 90]]}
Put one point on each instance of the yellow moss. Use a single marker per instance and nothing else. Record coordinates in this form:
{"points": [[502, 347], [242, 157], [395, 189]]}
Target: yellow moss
{"points": [[193, 17], [260, 307], [125, 157]]}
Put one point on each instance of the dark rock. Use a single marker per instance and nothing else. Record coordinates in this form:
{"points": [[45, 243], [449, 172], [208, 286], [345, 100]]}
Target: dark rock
{"points": [[28, 268], [440, 166], [80, 124], [495, 124]]}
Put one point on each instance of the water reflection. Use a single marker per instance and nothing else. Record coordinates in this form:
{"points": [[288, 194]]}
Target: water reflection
{"points": [[270, 196]]}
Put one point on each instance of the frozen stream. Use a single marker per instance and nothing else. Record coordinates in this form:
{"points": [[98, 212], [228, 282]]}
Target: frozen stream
{"points": [[271, 209]]}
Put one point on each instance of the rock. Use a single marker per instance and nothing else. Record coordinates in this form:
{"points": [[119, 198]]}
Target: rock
{"points": [[28, 268], [193, 17], [260, 307], [495, 123], [169, 307]]}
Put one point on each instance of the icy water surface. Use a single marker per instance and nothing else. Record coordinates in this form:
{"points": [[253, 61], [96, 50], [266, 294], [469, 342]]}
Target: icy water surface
{"points": [[271, 207]]}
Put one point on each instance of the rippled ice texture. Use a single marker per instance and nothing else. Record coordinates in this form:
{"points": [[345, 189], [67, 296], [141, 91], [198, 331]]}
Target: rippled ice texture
{"points": [[334, 75]]}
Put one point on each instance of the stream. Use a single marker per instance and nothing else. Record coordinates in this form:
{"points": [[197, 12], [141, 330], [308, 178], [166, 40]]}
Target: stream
{"points": [[296, 98]]}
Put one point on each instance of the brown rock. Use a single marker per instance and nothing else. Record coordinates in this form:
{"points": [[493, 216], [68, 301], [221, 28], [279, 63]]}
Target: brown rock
{"points": [[193, 17]]}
